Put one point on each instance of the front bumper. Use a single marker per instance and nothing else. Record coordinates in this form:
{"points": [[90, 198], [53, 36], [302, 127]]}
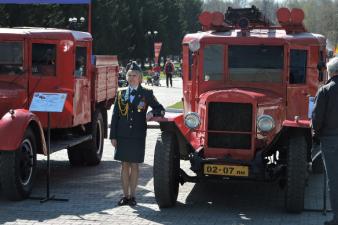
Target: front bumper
{"points": [[258, 170]]}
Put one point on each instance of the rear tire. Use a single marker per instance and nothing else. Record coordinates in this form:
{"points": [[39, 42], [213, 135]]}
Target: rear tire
{"points": [[166, 170], [89, 152], [296, 173], [75, 155], [93, 149], [18, 168]]}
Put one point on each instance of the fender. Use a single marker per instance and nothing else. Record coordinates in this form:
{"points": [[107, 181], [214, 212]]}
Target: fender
{"points": [[178, 120], [12, 128], [297, 123]]}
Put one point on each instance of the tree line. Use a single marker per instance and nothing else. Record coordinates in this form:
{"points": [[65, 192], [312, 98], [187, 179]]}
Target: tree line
{"points": [[128, 28]]}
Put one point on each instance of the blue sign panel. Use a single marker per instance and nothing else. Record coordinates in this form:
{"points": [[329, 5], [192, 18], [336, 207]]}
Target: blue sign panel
{"points": [[45, 1], [48, 102]]}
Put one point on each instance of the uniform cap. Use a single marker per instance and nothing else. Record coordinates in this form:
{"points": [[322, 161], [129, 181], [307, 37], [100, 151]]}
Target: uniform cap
{"points": [[134, 66]]}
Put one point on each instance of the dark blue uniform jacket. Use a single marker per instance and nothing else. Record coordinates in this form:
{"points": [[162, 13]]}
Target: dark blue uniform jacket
{"points": [[131, 122]]}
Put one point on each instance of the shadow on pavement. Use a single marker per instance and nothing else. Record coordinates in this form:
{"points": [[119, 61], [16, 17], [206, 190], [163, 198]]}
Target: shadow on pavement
{"points": [[234, 202], [90, 190]]}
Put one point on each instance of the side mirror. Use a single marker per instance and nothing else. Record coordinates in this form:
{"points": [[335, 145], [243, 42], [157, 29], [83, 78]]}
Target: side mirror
{"points": [[321, 68]]}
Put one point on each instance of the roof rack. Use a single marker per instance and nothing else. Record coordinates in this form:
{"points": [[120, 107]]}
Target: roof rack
{"points": [[251, 18], [253, 15]]}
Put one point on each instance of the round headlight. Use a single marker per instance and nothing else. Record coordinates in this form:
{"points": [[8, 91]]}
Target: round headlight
{"points": [[192, 120], [265, 123], [194, 45]]}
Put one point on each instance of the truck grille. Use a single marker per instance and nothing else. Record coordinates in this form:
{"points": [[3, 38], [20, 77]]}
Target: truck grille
{"points": [[225, 119]]}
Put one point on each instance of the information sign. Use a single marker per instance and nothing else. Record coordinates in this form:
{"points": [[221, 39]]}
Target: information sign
{"points": [[48, 102]]}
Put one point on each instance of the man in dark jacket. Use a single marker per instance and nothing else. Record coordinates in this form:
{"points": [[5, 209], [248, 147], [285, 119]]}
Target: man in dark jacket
{"points": [[129, 127], [169, 70], [325, 126]]}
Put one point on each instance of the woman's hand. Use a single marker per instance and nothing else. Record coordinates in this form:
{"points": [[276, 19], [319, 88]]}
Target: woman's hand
{"points": [[113, 142], [149, 116]]}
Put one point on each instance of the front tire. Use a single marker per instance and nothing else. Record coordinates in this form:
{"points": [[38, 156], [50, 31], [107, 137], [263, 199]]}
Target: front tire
{"points": [[317, 160], [166, 170], [18, 168], [296, 173]]}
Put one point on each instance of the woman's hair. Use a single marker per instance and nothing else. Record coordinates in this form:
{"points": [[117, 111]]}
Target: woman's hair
{"points": [[332, 67], [137, 72]]}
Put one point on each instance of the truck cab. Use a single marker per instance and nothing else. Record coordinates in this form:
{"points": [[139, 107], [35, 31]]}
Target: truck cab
{"points": [[248, 89], [51, 61]]}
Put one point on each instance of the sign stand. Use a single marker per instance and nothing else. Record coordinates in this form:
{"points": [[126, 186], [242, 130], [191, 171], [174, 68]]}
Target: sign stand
{"points": [[48, 102]]}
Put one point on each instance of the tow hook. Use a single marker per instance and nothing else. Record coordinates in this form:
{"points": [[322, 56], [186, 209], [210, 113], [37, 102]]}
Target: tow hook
{"points": [[12, 112]]}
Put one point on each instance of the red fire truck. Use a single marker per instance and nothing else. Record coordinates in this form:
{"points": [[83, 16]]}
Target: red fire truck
{"points": [[57, 61], [248, 89]]}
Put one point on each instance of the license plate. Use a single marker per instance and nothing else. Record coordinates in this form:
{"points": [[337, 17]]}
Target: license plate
{"points": [[226, 170]]}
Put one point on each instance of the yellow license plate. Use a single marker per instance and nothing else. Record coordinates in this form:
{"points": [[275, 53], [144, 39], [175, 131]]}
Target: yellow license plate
{"points": [[226, 170]]}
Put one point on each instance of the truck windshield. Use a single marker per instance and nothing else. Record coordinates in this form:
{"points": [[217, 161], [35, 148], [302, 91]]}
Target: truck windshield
{"points": [[256, 63], [11, 59]]}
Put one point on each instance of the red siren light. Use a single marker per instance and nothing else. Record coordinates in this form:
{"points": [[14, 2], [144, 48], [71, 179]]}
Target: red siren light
{"points": [[205, 18], [217, 19], [292, 21], [283, 15], [297, 16]]}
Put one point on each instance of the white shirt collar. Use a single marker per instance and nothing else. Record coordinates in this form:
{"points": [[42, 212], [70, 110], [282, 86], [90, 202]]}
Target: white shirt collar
{"points": [[131, 88]]}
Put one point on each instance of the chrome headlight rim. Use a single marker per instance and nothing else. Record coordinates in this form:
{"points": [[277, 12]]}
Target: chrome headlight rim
{"points": [[194, 45], [263, 117], [189, 116]]}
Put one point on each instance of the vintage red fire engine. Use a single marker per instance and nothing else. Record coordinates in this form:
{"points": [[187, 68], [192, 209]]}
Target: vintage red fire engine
{"points": [[57, 61], [248, 88]]}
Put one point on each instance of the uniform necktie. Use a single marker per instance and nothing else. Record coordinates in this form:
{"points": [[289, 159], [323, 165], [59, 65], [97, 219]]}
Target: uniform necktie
{"points": [[132, 95]]}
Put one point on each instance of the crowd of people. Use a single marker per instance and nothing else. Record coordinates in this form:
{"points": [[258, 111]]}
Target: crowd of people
{"points": [[153, 73]]}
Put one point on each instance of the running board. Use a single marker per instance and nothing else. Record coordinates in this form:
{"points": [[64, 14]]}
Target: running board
{"points": [[57, 145]]}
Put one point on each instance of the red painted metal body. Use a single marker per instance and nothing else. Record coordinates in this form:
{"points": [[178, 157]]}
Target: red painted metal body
{"points": [[286, 101], [97, 84], [13, 126]]}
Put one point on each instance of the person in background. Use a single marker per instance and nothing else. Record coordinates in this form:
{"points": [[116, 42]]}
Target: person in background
{"points": [[128, 130], [79, 67], [169, 70], [325, 128]]}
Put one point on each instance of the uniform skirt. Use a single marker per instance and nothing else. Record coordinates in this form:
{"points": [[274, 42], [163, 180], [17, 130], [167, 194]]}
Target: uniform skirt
{"points": [[130, 150]]}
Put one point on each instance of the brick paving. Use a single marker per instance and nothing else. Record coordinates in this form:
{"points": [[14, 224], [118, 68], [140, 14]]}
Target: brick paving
{"points": [[94, 191]]}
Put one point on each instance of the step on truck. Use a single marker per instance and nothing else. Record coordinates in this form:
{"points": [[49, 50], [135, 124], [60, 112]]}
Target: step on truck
{"points": [[248, 90], [53, 61]]}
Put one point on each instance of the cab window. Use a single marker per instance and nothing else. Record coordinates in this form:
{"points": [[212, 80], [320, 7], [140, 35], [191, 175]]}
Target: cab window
{"points": [[11, 58], [256, 63], [213, 62], [298, 64], [43, 59], [80, 62]]}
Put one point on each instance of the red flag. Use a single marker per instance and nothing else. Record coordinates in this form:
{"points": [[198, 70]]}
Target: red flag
{"points": [[157, 49]]}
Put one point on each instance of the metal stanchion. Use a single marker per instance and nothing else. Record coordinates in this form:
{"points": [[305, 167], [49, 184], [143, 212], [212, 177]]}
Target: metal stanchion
{"points": [[48, 197]]}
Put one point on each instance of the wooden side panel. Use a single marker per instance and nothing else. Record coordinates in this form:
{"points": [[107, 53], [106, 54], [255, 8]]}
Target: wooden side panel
{"points": [[112, 81], [101, 84], [106, 78]]}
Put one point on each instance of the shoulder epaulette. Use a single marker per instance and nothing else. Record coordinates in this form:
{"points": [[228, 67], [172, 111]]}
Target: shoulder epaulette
{"points": [[146, 89]]}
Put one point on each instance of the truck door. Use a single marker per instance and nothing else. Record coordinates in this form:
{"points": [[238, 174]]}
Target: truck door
{"points": [[82, 100], [297, 90], [43, 67], [187, 77]]}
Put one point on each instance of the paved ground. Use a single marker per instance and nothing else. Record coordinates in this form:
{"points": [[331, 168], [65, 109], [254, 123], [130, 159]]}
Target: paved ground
{"points": [[94, 191]]}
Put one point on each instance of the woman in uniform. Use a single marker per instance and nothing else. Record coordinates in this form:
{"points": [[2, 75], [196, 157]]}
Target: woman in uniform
{"points": [[128, 130]]}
